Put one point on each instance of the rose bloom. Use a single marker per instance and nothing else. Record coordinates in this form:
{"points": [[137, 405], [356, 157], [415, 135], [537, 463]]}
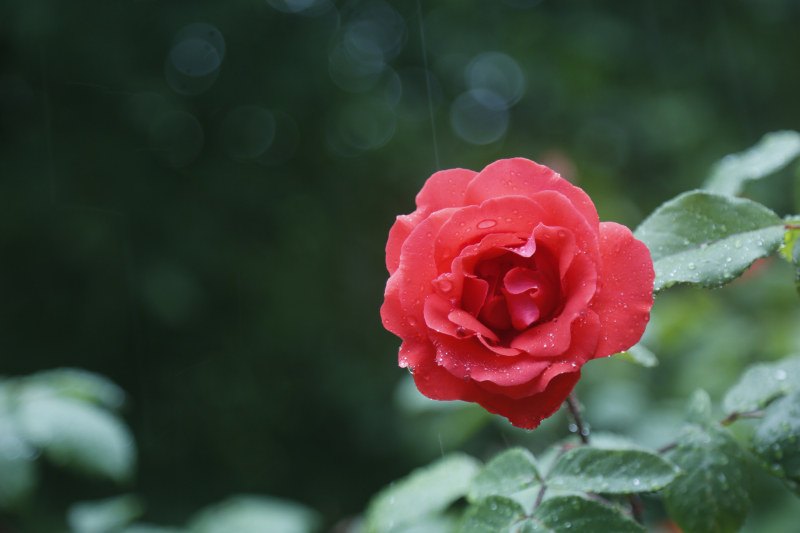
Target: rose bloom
{"points": [[504, 283]]}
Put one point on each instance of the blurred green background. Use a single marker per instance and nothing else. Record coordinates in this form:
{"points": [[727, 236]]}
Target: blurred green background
{"points": [[195, 198]]}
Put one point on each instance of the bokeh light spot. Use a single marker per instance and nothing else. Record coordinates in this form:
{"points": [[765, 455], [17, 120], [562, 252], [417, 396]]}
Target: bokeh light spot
{"points": [[476, 122], [499, 74]]}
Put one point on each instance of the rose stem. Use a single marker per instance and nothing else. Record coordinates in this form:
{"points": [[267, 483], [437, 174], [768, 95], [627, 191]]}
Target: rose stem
{"points": [[575, 409]]}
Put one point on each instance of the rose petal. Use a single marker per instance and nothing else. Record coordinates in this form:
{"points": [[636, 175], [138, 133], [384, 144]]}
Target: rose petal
{"points": [[562, 213], [585, 332], [626, 297], [519, 280], [489, 246], [417, 269], [471, 324], [402, 228], [413, 353], [468, 225], [393, 316], [560, 242], [437, 310], [495, 314], [553, 338], [473, 294], [437, 383], [468, 357], [442, 190], [528, 413], [499, 350], [523, 310], [524, 177]]}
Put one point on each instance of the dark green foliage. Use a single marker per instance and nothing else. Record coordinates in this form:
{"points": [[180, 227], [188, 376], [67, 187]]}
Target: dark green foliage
{"points": [[776, 442], [713, 495]]}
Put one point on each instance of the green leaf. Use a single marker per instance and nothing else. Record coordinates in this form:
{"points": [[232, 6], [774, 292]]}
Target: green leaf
{"points": [[78, 435], [761, 383], [774, 152], [790, 238], [588, 469], [698, 408], [17, 470], [150, 528], [81, 384], [437, 524], [508, 472], [104, 516], [776, 442], [640, 355], [572, 514], [255, 514], [424, 492], [713, 495], [491, 515], [18, 477], [611, 441], [707, 240]]}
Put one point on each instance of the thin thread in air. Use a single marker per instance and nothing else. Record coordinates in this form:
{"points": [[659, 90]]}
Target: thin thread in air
{"points": [[428, 83]]}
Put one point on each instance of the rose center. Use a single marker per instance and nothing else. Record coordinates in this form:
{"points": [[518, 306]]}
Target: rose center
{"points": [[510, 293]]}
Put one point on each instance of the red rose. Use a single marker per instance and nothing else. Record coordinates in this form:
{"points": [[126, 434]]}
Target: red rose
{"points": [[504, 283]]}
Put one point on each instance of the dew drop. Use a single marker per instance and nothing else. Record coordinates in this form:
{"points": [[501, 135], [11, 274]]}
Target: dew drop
{"points": [[445, 285], [488, 223], [412, 321]]}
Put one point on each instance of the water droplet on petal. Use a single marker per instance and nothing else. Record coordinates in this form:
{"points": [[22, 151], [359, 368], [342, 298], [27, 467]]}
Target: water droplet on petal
{"points": [[488, 223]]}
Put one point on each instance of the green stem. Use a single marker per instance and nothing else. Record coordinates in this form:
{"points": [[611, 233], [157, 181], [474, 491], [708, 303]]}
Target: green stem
{"points": [[575, 409]]}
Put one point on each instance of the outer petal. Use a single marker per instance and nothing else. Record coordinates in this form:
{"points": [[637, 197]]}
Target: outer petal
{"points": [[522, 176], [437, 383], [469, 358], [392, 314], [442, 190], [412, 281], [528, 413], [626, 297], [402, 228]]}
